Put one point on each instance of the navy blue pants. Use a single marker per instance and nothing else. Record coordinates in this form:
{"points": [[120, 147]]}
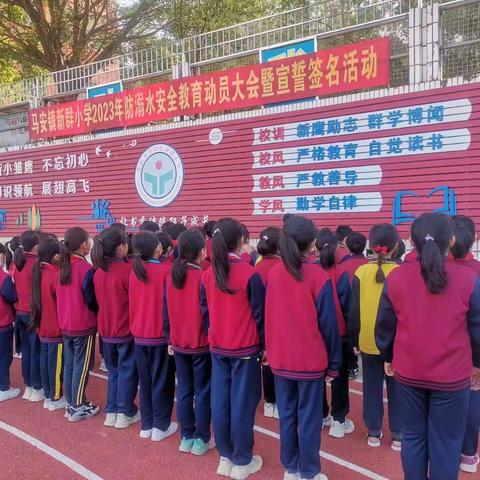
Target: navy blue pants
{"points": [[236, 391], [122, 377], [51, 369], [79, 355], [156, 370], [18, 342], [194, 379], [340, 394], [268, 381], [30, 345], [6, 357], [373, 409], [470, 442], [299, 405], [433, 428]]}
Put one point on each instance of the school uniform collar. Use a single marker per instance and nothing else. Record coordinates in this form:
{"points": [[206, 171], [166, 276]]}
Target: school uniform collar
{"points": [[76, 257], [193, 266], [234, 257], [154, 260], [49, 266]]}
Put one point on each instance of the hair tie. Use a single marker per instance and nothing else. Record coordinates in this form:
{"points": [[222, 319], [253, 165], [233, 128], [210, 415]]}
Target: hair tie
{"points": [[20, 247], [380, 250], [429, 238], [217, 230], [326, 245], [265, 237]]}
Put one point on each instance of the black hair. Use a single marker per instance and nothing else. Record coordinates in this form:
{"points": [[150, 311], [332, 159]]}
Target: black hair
{"points": [[399, 252], [269, 241], [464, 232], [105, 246], [326, 244], [176, 229], [130, 244], [165, 241], [431, 234], [47, 249], [342, 232], [72, 241], [287, 217], [120, 226], [299, 233], [226, 239], [149, 226], [3, 249], [11, 245], [209, 227], [245, 233], [144, 245], [166, 227], [383, 238], [356, 243], [190, 244], [28, 241]]}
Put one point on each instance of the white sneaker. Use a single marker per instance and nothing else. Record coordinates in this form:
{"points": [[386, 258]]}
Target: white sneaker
{"points": [[159, 435], [145, 433], [9, 394], [241, 472], [17, 356], [327, 421], [276, 414], [338, 430], [110, 420], [290, 476], [27, 393], [224, 467], [103, 367], [269, 410], [123, 421], [46, 404], [58, 404], [396, 445], [37, 395]]}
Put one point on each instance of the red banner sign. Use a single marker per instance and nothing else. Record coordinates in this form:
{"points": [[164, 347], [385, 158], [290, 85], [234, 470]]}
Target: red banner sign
{"points": [[337, 70]]}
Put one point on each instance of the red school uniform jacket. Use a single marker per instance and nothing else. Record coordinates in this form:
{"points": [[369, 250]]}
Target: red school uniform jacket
{"points": [[111, 292], [345, 271], [468, 261], [49, 329], [76, 303], [147, 304], [23, 284], [235, 322], [265, 265], [8, 296], [431, 338], [184, 321], [302, 339]]}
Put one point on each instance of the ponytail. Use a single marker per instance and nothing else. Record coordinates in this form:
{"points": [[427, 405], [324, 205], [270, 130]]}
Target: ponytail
{"points": [[74, 238], [383, 240], [144, 245], [381, 252], [36, 298], [291, 256], [98, 254], [433, 267], [326, 244], [105, 247], [139, 269], [19, 258], [65, 266], [28, 241]]}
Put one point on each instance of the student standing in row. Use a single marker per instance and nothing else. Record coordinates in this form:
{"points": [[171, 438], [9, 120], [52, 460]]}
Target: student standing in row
{"points": [[234, 295], [303, 347], [431, 336]]}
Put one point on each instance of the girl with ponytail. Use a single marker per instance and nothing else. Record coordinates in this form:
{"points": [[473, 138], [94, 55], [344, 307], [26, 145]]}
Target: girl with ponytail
{"points": [[111, 281], [189, 343], [302, 347], [148, 325], [234, 295], [429, 326]]}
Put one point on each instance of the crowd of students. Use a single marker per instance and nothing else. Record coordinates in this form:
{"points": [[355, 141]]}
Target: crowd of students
{"points": [[202, 315]]}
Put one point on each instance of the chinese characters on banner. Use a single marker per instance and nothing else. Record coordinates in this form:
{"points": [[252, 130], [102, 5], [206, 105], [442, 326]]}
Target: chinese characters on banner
{"points": [[337, 70]]}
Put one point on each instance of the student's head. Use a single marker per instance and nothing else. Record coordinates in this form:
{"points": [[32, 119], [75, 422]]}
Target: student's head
{"points": [[245, 233], [146, 247], [166, 227], [11, 245], [296, 242], [227, 238], [383, 240], [209, 227], [119, 226], [166, 243], [399, 252], [326, 244], [342, 232], [75, 241], [464, 232], [191, 249], [356, 243], [110, 244], [175, 230], [432, 235], [269, 241], [29, 241], [286, 218], [149, 226]]}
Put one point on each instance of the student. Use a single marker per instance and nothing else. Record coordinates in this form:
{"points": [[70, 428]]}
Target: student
{"points": [[23, 260], [303, 347], [341, 234], [367, 286], [8, 296], [464, 232], [234, 295], [111, 291], [189, 343], [146, 307], [76, 309], [249, 254], [429, 325], [45, 319], [268, 249]]}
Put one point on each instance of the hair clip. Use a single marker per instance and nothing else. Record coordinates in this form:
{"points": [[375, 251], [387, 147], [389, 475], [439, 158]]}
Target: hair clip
{"points": [[380, 249], [265, 238], [217, 230], [429, 238], [326, 245]]}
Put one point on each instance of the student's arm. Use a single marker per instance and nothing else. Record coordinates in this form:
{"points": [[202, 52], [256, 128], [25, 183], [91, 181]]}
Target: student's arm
{"points": [[385, 326], [8, 291], [88, 291], [328, 326], [473, 319], [343, 291], [256, 298], [204, 308], [353, 319], [166, 318]]}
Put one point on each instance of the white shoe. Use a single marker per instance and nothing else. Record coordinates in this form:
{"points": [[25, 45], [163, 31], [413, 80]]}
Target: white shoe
{"points": [[37, 395], [276, 414], [145, 433], [9, 394], [103, 367], [224, 467], [17, 356], [269, 410], [27, 393], [327, 421], [159, 435], [110, 420], [396, 445], [319, 476], [339, 430], [46, 404], [241, 472], [123, 421], [290, 476], [58, 404]]}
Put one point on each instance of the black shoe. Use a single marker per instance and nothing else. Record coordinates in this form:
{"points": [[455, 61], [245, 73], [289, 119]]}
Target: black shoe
{"points": [[353, 373]]}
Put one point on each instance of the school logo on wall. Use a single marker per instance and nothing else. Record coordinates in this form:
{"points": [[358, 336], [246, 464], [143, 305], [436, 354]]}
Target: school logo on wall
{"points": [[159, 175]]}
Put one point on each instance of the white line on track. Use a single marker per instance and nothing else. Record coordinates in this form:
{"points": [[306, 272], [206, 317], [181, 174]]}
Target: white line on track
{"points": [[55, 454]]}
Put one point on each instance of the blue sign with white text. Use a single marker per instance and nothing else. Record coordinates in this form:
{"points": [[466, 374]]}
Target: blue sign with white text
{"points": [[107, 89]]}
